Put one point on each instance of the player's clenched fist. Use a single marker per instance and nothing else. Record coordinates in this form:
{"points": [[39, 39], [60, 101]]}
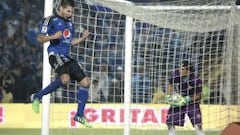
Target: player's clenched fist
{"points": [[85, 33]]}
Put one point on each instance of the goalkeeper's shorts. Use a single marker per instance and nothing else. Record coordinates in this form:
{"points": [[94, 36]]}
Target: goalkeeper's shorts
{"points": [[176, 115]]}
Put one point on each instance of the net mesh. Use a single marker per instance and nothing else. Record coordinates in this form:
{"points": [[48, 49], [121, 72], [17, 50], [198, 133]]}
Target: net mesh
{"points": [[202, 32]]}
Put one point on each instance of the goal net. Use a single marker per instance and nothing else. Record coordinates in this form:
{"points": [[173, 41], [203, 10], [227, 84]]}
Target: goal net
{"points": [[147, 42]]}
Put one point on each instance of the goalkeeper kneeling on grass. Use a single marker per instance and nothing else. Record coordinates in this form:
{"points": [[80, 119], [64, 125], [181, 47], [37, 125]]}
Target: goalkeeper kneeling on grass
{"points": [[184, 95]]}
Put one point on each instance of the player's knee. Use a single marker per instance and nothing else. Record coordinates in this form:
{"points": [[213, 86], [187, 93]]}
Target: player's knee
{"points": [[85, 82], [65, 78]]}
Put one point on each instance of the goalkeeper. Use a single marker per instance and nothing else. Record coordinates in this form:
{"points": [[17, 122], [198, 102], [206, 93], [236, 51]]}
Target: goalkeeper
{"points": [[189, 88], [59, 31]]}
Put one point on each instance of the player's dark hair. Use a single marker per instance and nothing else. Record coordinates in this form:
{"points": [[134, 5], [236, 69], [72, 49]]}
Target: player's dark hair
{"points": [[187, 65], [65, 3]]}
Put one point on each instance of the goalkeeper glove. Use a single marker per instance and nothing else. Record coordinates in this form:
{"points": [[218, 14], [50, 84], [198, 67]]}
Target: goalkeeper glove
{"points": [[173, 100], [168, 99], [181, 101], [187, 99]]}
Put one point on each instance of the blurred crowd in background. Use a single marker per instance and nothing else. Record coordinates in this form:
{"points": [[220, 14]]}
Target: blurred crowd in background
{"points": [[21, 55], [102, 56], [156, 53]]}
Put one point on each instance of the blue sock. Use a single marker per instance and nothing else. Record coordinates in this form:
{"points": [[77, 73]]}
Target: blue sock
{"points": [[82, 97], [50, 88]]}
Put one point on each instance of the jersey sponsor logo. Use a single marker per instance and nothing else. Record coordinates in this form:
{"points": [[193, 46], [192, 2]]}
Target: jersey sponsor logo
{"points": [[66, 33]]}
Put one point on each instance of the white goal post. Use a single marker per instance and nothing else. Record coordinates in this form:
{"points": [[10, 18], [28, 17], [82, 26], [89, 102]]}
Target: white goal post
{"points": [[46, 76], [154, 15]]}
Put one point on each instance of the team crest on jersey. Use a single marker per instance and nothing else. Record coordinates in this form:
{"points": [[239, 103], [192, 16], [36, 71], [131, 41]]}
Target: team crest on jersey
{"points": [[66, 33]]}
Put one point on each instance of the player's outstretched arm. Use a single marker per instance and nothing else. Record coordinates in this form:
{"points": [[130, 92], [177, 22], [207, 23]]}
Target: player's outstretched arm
{"points": [[45, 38], [76, 41]]}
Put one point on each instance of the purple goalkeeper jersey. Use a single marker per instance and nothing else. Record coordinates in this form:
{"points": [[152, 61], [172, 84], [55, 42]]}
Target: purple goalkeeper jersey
{"points": [[186, 85]]}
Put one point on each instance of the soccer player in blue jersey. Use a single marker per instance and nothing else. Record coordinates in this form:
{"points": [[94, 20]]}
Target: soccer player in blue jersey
{"points": [[59, 31], [189, 88]]}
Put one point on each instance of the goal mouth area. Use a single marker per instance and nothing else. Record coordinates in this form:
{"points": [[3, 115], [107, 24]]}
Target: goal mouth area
{"points": [[159, 38]]}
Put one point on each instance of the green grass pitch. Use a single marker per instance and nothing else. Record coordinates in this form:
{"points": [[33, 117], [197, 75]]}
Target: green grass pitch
{"points": [[93, 131]]}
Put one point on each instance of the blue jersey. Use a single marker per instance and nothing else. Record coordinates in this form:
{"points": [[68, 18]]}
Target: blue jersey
{"points": [[50, 26]]}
